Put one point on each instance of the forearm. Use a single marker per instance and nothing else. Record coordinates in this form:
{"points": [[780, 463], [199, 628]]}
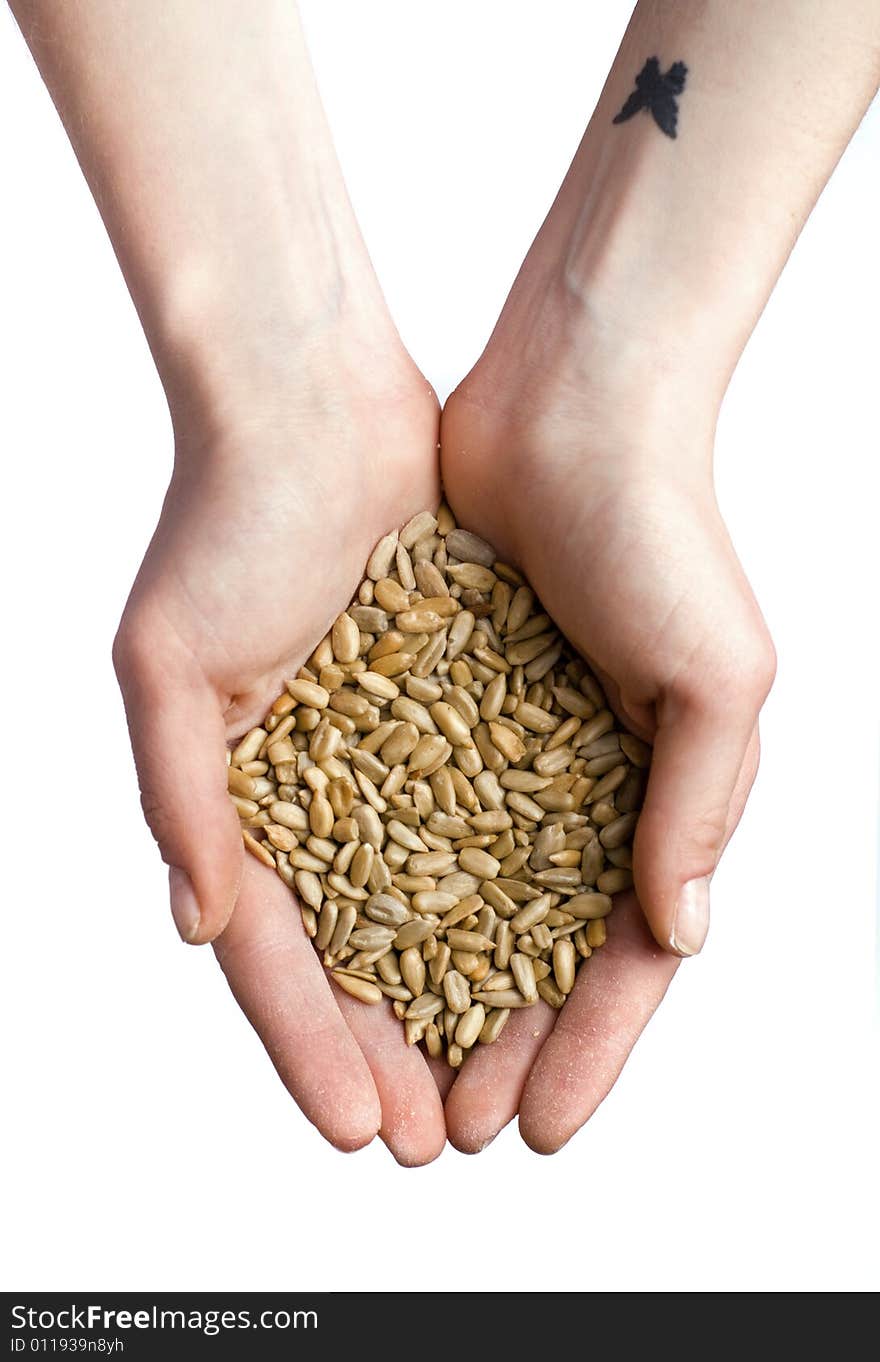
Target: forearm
{"points": [[665, 250], [199, 128]]}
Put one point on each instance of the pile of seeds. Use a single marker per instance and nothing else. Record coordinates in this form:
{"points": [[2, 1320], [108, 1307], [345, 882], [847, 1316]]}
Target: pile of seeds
{"points": [[446, 790]]}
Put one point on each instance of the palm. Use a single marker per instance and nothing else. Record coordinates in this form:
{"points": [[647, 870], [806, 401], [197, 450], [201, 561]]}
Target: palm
{"points": [[258, 548]]}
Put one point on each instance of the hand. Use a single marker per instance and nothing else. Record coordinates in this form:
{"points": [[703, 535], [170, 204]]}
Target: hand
{"points": [[262, 539], [609, 508]]}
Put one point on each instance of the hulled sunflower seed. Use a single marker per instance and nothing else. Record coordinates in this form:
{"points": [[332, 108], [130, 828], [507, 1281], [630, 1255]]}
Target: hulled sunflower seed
{"points": [[382, 557], [470, 1026], [496, 1019], [361, 989], [424, 1007], [505, 998], [550, 992], [469, 548], [564, 965], [456, 990], [524, 975]]}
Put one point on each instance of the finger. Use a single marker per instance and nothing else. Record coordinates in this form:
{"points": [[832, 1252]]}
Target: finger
{"points": [[487, 1091], [179, 743], [280, 985], [615, 995], [699, 750], [412, 1126]]}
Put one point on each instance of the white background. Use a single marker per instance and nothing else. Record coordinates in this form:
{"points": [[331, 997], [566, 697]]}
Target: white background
{"points": [[147, 1142]]}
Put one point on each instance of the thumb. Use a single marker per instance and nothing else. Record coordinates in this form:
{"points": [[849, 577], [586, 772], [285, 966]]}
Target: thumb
{"points": [[179, 742], [700, 745]]}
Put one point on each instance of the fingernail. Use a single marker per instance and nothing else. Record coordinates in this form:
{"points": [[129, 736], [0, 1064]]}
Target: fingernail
{"points": [[184, 904], [691, 922]]}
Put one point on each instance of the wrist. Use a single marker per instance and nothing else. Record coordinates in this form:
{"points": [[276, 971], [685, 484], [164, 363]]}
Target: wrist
{"points": [[670, 325], [569, 367], [233, 346], [645, 312]]}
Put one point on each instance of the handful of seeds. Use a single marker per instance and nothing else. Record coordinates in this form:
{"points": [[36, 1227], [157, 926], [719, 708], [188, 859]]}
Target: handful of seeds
{"points": [[446, 790]]}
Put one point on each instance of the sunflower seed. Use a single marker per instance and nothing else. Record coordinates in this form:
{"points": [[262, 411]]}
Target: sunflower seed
{"points": [[258, 849], [456, 991], [371, 938], [469, 548], [494, 1024], [412, 969], [469, 1027], [550, 992], [468, 941], [424, 1007], [433, 1041], [361, 989], [505, 997], [524, 975], [382, 557], [564, 965], [596, 933], [414, 933], [636, 751], [614, 881]]}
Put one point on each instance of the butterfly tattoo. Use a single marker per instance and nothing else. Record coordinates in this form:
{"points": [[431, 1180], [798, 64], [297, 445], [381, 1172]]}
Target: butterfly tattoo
{"points": [[657, 94]]}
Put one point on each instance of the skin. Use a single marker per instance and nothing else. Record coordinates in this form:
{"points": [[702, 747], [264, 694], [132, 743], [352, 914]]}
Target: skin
{"points": [[554, 1069], [303, 430], [206, 641], [591, 414]]}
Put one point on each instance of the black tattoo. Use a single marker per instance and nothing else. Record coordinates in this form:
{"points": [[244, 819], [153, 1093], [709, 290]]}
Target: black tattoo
{"points": [[656, 93]]}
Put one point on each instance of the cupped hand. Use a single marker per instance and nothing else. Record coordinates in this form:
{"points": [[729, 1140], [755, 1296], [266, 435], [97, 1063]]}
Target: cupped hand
{"points": [[267, 523], [617, 528]]}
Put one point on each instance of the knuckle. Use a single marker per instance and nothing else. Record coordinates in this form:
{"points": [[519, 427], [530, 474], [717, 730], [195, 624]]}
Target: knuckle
{"points": [[705, 835], [730, 679], [132, 648], [765, 666], [753, 671], [120, 653], [145, 650], [249, 955], [691, 844]]}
